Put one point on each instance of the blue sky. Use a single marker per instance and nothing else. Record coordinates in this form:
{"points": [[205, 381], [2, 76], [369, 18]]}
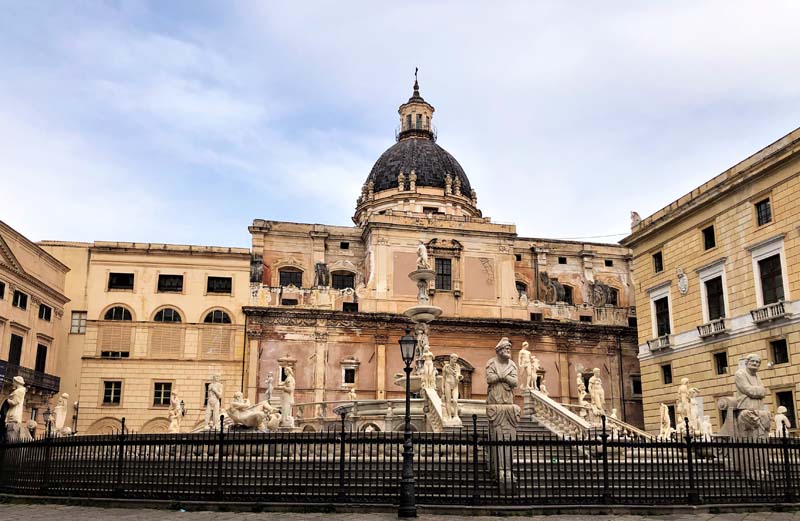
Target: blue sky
{"points": [[183, 121]]}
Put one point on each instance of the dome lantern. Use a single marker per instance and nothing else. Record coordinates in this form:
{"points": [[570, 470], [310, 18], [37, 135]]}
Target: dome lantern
{"points": [[415, 116]]}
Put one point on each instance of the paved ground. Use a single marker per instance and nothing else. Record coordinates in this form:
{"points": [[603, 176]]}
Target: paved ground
{"points": [[73, 513]]}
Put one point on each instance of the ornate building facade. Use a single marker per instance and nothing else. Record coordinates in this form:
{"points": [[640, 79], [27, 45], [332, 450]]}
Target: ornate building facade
{"points": [[717, 277]]}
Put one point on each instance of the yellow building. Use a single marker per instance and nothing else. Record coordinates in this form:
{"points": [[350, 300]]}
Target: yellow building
{"points": [[717, 276], [32, 304], [148, 319]]}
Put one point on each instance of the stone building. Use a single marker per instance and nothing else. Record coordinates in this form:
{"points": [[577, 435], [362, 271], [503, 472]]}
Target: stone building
{"points": [[32, 304], [717, 277], [147, 319], [328, 300]]}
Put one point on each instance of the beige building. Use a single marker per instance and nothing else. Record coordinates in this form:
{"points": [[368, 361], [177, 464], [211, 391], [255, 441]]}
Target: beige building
{"points": [[148, 319], [717, 276], [32, 337], [328, 300]]}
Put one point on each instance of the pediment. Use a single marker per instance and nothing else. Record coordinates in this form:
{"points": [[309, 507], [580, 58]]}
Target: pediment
{"points": [[7, 257]]}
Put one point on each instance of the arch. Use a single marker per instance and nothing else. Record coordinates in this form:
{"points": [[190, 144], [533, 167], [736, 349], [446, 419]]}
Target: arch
{"points": [[309, 428], [216, 308], [105, 426], [217, 316], [522, 288], [168, 314], [117, 312], [465, 386], [369, 427], [155, 426]]}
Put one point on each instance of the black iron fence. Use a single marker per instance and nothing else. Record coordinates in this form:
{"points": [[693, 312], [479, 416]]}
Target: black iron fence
{"points": [[452, 468]]}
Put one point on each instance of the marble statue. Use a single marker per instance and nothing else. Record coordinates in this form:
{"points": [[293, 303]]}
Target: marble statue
{"points": [[524, 364], [428, 372], [270, 380], [259, 416], [421, 334], [60, 414], [535, 366], [635, 219], [503, 414], [693, 412], [15, 429], [175, 413], [451, 376], [582, 395], [543, 389], [422, 257], [287, 398], [351, 394], [666, 430], [705, 428], [754, 419], [782, 423], [682, 405], [215, 392], [596, 393]]}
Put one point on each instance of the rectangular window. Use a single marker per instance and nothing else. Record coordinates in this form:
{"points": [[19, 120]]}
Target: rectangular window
{"points": [[170, 283], [291, 278], [662, 316], [344, 245], [20, 300], [636, 384], [15, 349], [609, 263], [343, 280], [562, 260], [222, 285], [585, 318], [568, 294], [419, 121], [45, 312], [632, 322], [536, 317], [34, 414], [671, 414], [780, 351], [123, 281], [715, 298], [786, 398], [518, 257], [721, 362], [709, 240], [112, 392], [41, 358], [408, 121], [161, 392], [771, 279], [78, 323], [658, 262], [763, 212], [349, 376], [666, 374], [350, 307], [612, 297], [430, 209], [289, 302], [2, 290], [115, 354], [205, 399], [443, 274]]}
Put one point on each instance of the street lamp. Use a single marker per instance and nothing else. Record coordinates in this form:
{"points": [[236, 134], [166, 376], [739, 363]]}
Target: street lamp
{"points": [[75, 406], [48, 418], [408, 505]]}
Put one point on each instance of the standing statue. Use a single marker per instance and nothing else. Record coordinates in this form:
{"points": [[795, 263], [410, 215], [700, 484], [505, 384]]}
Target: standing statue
{"points": [[351, 394], [15, 429], [422, 257], [524, 363], [597, 394], [175, 413], [421, 334], [451, 376], [60, 414], [782, 423], [582, 395], [503, 414], [270, 380], [705, 428], [287, 399], [666, 430], [754, 419], [428, 380], [682, 405], [694, 412], [215, 393], [543, 389], [534, 375]]}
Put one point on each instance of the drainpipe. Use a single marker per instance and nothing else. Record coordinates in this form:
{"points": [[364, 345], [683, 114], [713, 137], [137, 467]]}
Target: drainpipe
{"points": [[621, 380], [244, 352], [535, 272]]}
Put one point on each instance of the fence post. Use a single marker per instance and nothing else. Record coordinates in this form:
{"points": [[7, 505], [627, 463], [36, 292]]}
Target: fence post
{"points": [[694, 497], [219, 455], [604, 442], [475, 458], [341, 496], [120, 461], [787, 470]]}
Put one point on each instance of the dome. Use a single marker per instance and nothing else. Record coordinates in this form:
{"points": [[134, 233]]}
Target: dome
{"points": [[429, 161]]}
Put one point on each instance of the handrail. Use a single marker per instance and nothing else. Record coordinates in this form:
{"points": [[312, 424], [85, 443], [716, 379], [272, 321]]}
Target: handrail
{"points": [[621, 429], [555, 416]]}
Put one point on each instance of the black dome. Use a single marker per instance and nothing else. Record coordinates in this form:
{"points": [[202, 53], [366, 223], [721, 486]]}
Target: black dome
{"points": [[429, 161]]}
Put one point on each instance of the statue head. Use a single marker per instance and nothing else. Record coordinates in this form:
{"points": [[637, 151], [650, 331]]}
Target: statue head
{"points": [[525, 345], [782, 410], [693, 392], [289, 371], [238, 396], [596, 371], [453, 358], [753, 362], [18, 382], [503, 349], [65, 396], [215, 377]]}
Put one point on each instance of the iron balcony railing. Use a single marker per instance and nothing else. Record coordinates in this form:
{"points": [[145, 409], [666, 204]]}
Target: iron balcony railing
{"points": [[404, 129], [715, 327], [769, 312], [43, 381]]}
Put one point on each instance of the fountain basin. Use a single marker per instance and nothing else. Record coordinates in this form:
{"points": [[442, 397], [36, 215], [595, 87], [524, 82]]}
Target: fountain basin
{"points": [[423, 313], [416, 382], [418, 275]]}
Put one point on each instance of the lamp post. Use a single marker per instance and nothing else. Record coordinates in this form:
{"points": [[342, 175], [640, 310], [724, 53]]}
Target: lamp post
{"points": [[75, 406], [48, 418], [408, 504]]}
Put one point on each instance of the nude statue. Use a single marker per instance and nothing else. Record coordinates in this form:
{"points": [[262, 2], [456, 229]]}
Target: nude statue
{"points": [[422, 257], [428, 371], [175, 413], [215, 392], [253, 416], [534, 374], [270, 380], [60, 413], [524, 364], [596, 392], [665, 431], [287, 399], [682, 404], [782, 423], [451, 376]]}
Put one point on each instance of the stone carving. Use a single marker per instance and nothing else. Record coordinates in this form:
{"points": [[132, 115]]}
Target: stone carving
{"points": [[457, 186], [682, 405], [597, 394], [694, 413], [60, 414], [287, 398], [322, 276], [474, 197], [753, 421], [422, 257], [488, 268], [448, 184], [15, 429], [683, 281], [524, 364], [351, 394], [412, 181], [705, 427], [401, 181], [451, 376], [782, 423], [635, 219], [543, 389], [428, 373], [600, 294], [175, 413], [550, 290], [666, 430], [503, 414], [258, 416], [256, 269], [270, 382], [582, 395], [534, 375], [215, 393], [421, 334]]}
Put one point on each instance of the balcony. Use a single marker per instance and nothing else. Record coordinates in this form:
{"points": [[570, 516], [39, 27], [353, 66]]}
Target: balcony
{"points": [[715, 327], [659, 344], [769, 312], [45, 382]]}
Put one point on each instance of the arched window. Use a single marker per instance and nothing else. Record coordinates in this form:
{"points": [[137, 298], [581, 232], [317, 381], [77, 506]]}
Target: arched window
{"points": [[522, 289], [568, 294], [291, 277], [613, 297], [217, 317], [167, 315], [343, 279], [118, 313]]}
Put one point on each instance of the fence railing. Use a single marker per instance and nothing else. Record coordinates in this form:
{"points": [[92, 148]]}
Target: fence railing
{"points": [[459, 468]]}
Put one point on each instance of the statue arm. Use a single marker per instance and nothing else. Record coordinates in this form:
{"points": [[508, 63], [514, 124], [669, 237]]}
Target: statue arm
{"points": [[511, 377], [491, 374], [755, 392]]}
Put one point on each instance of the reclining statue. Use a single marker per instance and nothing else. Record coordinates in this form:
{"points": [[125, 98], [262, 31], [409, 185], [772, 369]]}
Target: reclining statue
{"points": [[261, 416]]}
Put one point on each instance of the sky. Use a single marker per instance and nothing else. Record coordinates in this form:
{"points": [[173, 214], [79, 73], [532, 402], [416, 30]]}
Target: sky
{"points": [[182, 121]]}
